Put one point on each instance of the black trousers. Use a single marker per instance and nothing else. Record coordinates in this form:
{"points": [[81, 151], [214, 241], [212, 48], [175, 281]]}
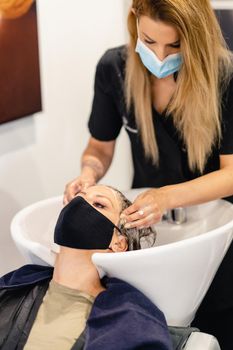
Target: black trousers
{"points": [[215, 314]]}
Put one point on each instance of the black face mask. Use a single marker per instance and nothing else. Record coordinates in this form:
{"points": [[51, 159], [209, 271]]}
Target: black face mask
{"points": [[81, 226]]}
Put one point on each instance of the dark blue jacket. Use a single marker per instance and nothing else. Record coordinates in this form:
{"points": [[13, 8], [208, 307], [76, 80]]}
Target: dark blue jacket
{"points": [[122, 318]]}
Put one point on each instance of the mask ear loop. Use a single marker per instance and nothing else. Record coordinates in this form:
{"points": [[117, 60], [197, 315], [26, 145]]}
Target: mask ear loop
{"points": [[137, 25], [118, 229]]}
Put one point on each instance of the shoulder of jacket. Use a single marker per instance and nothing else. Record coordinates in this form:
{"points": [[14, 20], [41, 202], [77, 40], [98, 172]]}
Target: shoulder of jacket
{"points": [[26, 275]]}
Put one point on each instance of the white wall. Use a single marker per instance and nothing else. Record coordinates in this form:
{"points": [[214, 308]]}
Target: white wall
{"points": [[225, 4], [40, 154]]}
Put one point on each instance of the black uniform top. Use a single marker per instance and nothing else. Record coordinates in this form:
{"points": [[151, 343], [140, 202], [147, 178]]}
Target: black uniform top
{"points": [[109, 114]]}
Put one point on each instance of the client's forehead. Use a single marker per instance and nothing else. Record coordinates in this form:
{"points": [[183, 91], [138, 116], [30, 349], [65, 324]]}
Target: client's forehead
{"points": [[107, 192]]}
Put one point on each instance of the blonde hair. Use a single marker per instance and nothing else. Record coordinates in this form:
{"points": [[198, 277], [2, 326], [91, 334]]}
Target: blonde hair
{"points": [[205, 73]]}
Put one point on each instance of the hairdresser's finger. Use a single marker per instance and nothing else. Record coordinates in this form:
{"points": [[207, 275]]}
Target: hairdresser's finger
{"points": [[71, 189], [131, 209], [87, 184], [140, 203], [137, 215], [149, 220]]}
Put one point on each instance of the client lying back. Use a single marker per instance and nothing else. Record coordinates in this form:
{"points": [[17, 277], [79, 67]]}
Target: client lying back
{"points": [[69, 304]]}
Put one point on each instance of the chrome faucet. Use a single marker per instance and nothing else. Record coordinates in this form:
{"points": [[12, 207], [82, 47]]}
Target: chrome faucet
{"points": [[176, 216]]}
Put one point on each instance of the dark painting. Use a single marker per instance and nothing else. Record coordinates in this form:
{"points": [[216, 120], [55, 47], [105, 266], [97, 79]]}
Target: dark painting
{"points": [[20, 93]]}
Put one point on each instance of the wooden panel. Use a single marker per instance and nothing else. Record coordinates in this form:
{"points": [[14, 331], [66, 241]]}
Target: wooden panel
{"points": [[20, 93]]}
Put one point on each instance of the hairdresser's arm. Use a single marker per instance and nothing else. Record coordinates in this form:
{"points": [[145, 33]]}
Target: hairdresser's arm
{"points": [[149, 206], [95, 161]]}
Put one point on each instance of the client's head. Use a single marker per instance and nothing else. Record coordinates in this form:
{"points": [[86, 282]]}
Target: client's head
{"points": [[91, 221]]}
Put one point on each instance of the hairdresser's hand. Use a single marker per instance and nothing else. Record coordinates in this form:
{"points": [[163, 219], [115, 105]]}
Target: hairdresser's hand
{"points": [[81, 183], [147, 209]]}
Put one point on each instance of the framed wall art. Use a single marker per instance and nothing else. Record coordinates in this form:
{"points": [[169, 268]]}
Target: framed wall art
{"points": [[20, 91]]}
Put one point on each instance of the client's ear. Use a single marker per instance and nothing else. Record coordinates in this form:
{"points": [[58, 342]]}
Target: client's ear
{"points": [[119, 243]]}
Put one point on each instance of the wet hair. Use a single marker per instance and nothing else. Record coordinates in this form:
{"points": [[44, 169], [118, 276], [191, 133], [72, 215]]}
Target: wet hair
{"points": [[136, 238]]}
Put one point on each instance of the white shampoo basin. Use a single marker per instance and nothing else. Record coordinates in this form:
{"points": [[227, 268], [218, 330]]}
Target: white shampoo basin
{"points": [[175, 274]]}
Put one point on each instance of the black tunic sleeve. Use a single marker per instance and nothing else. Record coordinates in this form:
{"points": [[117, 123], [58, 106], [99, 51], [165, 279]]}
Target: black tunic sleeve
{"points": [[105, 120], [227, 121]]}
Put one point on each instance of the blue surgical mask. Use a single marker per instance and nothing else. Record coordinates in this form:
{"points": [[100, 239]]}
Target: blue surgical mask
{"points": [[160, 69]]}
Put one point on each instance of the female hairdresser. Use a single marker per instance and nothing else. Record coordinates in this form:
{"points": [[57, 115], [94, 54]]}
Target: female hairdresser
{"points": [[171, 89]]}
